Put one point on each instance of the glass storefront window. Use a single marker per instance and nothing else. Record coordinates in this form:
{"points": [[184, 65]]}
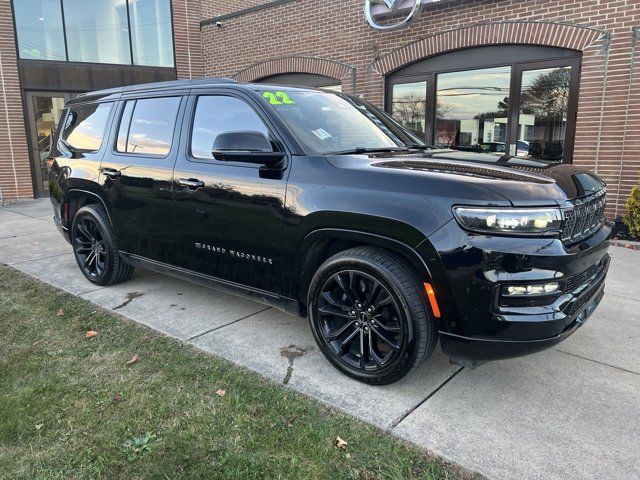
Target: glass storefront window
{"points": [[39, 29], [97, 32], [151, 27], [542, 119], [472, 109], [108, 31], [409, 105]]}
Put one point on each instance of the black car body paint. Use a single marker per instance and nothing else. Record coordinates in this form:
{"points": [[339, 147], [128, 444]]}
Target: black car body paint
{"points": [[264, 231]]}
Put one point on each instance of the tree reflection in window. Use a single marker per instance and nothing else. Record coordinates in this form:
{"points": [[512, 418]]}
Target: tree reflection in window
{"points": [[542, 123]]}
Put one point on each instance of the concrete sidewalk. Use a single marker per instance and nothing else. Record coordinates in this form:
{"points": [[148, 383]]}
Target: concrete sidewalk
{"points": [[572, 412]]}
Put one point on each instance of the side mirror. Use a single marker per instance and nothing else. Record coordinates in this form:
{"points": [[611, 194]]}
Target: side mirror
{"points": [[247, 146]]}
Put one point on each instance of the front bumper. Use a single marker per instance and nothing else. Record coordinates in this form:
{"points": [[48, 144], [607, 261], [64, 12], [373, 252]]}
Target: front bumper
{"points": [[477, 349], [479, 325]]}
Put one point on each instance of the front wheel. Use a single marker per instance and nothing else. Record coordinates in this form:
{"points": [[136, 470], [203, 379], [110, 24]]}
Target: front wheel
{"points": [[95, 248], [368, 315]]}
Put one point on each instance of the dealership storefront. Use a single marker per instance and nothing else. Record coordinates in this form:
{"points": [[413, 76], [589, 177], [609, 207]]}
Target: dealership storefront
{"points": [[552, 81]]}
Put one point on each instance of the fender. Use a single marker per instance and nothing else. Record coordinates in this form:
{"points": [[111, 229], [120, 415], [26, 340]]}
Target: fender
{"points": [[78, 192], [310, 251]]}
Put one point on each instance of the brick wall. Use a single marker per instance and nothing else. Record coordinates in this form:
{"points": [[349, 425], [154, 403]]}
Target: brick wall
{"points": [[15, 172], [186, 30], [608, 128], [215, 8]]}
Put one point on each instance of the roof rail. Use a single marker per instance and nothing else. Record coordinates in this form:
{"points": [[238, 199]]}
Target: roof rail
{"points": [[157, 86]]}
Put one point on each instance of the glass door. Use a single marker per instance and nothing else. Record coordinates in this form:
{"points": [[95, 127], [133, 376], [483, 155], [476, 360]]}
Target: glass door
{"points": [[44, 110]]}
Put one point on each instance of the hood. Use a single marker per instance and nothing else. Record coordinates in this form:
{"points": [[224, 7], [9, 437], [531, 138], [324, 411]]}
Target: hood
{"points": [[521, 181]]}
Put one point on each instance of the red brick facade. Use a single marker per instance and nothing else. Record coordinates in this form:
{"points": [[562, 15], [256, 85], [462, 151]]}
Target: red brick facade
{"points": [[186, 32], [318, 37], [15, 170]]}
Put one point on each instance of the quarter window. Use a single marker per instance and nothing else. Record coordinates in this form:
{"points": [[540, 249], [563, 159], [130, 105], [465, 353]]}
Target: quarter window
{"points": [[219, 114], [147, 126], [85, 126]]}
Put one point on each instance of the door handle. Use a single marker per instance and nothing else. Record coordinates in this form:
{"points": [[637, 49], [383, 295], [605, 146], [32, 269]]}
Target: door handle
{"points": [[112, 173], [191, 183]]}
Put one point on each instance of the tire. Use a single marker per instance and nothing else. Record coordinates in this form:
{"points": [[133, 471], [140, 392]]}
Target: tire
{"points": [[388, 320], [95, 248]]}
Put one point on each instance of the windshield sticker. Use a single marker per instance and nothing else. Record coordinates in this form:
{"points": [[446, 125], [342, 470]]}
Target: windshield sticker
{"points": [[321, 133], [278, 98]]}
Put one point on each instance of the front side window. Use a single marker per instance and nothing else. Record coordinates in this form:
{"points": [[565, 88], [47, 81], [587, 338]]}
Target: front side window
{"points": [[39, 29], [147, 126], [472, 108], [85, 125], [220, 114], [326, 123]]}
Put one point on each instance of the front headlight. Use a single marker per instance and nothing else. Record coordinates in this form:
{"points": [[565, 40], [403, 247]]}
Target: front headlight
{"points": [[514, 221]]}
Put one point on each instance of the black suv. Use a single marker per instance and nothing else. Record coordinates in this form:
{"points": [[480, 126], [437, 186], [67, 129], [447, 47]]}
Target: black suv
{"points": [[321, 204]]}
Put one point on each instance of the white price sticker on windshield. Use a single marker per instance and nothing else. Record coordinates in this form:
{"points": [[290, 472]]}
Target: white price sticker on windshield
{"points": [[321, 133]]}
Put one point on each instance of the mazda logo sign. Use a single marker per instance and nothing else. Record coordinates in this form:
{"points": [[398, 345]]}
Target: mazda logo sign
{"points": [[400, 12]]}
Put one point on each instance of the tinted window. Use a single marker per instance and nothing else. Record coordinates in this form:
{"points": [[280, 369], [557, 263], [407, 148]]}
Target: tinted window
{"points": [[542, 119], [150, 129], [85, 126], [97, 31], [151, 33], [472, 107], [39, 29], [217, 114], [409, 105]]}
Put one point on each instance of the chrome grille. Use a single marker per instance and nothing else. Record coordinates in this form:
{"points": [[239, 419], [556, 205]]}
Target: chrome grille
{"points": [[584, 218]]}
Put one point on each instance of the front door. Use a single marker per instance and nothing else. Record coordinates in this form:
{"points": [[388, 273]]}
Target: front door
{"points": [[229, 217], [43, 111]]}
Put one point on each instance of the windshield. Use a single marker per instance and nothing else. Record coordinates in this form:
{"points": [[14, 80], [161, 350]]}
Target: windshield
{"points": [[326, 123]]}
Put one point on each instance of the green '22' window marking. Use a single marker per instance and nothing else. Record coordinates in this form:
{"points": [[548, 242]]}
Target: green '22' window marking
{"points": [[278, 98]]}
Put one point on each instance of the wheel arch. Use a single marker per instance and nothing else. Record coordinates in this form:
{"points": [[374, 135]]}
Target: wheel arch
{"points": [[320, 244], [76, 198]]}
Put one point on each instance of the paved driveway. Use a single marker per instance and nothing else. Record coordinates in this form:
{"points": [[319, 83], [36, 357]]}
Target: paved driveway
{"points": [[572, 412]]}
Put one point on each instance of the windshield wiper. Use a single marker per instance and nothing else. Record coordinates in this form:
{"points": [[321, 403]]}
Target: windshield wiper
{"points": [[362, 150]]}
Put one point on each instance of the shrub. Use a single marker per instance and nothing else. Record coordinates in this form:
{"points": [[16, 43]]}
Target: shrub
{"points": [[632, 217]]}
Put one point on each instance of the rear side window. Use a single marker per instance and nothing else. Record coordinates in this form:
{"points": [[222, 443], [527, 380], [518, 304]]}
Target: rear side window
{"points": [[85, 125], [147, 126], [218, 114]]}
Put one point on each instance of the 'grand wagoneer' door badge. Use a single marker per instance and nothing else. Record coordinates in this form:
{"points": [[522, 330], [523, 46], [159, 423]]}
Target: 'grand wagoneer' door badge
{"points": [[234, 253]]}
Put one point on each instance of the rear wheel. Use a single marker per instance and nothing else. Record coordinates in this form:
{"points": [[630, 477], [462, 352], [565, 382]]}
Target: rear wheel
{"points": [[368, 315], [95, 248]]}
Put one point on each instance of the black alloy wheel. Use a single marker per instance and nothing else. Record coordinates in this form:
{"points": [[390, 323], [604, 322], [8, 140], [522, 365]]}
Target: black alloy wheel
{"points": [[89, 246], [369, 316], [360, 320], [95, 249]]}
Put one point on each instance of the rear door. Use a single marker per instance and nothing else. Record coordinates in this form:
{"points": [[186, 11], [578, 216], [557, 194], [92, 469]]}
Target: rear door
{"points": [[229, 215], [137, 174]]}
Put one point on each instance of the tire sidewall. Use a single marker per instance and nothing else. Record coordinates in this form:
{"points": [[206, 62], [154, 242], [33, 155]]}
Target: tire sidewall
{"points": [[94, 213], [409, 342]]}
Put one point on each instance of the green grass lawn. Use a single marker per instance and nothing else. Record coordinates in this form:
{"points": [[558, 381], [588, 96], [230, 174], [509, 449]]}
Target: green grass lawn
{"points": [[72, 406]]}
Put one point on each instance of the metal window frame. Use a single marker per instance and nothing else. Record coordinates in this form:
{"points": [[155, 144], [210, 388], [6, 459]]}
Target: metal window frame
{"points": [[66, 42]]}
